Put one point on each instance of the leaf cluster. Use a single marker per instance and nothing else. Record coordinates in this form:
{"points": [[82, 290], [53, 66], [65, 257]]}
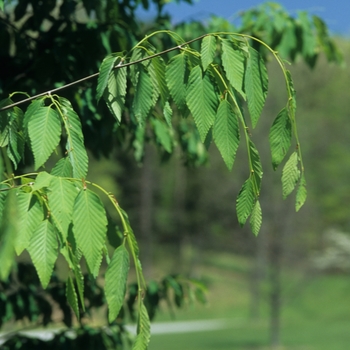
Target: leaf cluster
{"points": [[211, 85], [220, 90]]}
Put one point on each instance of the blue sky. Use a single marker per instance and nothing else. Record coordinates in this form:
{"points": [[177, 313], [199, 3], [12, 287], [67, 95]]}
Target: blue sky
{"points": [[335, 13]]}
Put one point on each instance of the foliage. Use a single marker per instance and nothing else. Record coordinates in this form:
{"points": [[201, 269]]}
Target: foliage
{"points": [[60, 212]]}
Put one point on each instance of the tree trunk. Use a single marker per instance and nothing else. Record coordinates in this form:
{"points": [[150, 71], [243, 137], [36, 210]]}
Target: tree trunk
{"points": [[258, 273], [179, 218], [275, 287], [147, 210]]}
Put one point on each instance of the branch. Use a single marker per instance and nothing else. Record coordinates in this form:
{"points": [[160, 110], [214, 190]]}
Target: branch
{"points": [[178, 47]]}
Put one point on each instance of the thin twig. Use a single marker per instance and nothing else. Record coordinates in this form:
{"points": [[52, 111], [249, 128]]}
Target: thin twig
{"points": [[178, 47]]}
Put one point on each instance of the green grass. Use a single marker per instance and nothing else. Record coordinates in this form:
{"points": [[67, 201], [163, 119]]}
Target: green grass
{"points": [[315, 315]]}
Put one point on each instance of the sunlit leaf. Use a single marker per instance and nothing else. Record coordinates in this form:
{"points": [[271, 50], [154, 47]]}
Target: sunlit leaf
{"points": [[90, 227], [115, 92], [32, 109], [280, 137], [42, 180], [160, 70], [176, 79], [44, 129], [290, 174], [63, 168], [255, 84], [43, 250], [116, 278], [233, 62], [61, 199], [143, 96], [75, 147], [257, 171], [163, 135], [168, 113], [106, 67], [245, 201], [226, 132], [301, 193], [8, 229], [29, 215], [208, 49], [256, 218], [202, 101], [72, 298], [143, 330]]}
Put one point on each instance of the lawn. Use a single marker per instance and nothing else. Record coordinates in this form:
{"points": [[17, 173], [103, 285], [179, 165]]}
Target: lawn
{"points": [[315, 316]]}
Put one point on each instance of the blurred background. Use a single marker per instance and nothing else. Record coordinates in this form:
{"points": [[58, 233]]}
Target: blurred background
{"points": [[289, 287]]}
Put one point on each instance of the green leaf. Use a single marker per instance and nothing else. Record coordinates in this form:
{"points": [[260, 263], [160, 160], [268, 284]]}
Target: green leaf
{"points": [[226, 132], [143, 330], [105, 69], [154, 82], [143, 96], [115, 94], [8, 230], [168, 113], [256, 218], [61, 199], [75, 139], [79, 278], [256, 84], [90, 227], [42, 180], [73, 263], [257, 171], [4, 131], [325, 43], [176, 79], [116, 278], [135, 68], [301, 193], [245, 201], [3, 195], [289, 40], [32, 109], [309, 48], [71, 296], [280, 137], [159, 67], [44, 129], [233, 62], [11, 134], [290, 174], [63, 168], [202, 101], [208, 50], [15, 147], [162, 134], [292, 104], [70, 117], [29, 215], [5, 117], [43, 251]]}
